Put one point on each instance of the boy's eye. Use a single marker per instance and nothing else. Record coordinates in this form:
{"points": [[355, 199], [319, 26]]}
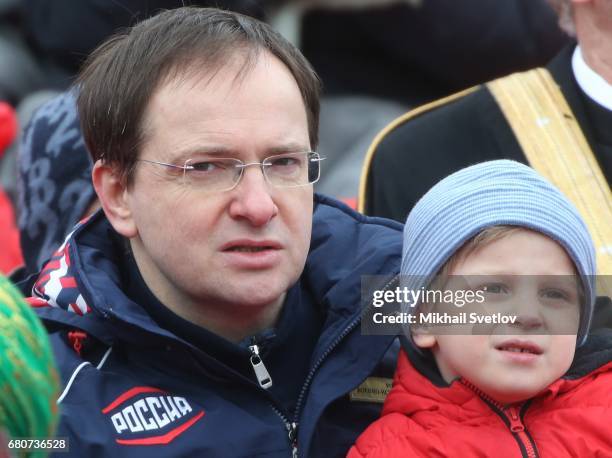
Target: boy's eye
{"points": [[557, 295], [554, 294], [495, 288]]}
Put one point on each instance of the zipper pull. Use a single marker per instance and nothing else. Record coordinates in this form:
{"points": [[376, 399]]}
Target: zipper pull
{"points": [[262, 374], [292, 429], [516, 425]]}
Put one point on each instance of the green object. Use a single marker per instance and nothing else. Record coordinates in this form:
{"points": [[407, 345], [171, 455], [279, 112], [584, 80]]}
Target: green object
{"points": [[29, 383]]}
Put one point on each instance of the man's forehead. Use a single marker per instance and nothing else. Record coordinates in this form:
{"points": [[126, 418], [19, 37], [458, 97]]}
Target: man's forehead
{"points": [[218, 112], [227, 76], [232, 69], [236, 63]]}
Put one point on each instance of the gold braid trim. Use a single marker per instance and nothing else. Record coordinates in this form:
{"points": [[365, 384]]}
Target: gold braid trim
{"points": [[556, 147]]}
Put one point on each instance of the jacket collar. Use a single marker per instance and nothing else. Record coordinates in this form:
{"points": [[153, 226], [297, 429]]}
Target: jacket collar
{"points": [[420, 386]]}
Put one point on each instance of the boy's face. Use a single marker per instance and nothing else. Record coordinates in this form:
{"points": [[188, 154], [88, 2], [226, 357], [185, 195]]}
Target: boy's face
{"points": [[513, 363]]}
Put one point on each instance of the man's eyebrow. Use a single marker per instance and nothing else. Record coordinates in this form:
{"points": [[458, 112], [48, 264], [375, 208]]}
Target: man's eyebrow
{"points": [[224, 151], [200, 150], [288, 148]]}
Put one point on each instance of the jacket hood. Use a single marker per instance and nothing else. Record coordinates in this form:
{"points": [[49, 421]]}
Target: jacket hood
{"points": [[80, 286]]}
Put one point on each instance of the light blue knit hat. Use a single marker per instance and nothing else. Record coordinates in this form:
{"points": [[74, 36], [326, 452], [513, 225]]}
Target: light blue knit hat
{"points": [[501, 192]]}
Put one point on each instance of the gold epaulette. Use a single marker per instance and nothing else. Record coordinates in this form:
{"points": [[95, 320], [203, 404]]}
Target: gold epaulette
{"points": [[556, 147]]}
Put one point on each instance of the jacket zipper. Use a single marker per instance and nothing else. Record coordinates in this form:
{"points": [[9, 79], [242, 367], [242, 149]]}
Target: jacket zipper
{"points": [[298, 406], [261, 372], [291, 428], [518, 427], [513, 418], [265, 381]]}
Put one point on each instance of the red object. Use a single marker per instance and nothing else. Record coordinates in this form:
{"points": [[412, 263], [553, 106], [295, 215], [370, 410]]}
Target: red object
{"points": [[350, 201], [10, 252], [8, 126], [569, 418], [76, 338]]}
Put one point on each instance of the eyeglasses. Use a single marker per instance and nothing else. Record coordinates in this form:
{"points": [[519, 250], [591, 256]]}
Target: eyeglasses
{"points": [[223, 174]]}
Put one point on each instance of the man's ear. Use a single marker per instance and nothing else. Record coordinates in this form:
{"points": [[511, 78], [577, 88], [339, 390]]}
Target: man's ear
{"points": [[112, 193]]}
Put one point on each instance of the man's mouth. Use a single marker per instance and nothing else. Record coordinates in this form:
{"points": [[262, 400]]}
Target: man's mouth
{"points": [[252, 254], [249, 249], [250, 246]]}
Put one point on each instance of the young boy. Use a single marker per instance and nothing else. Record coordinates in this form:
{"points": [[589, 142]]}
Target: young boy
{"points": [[519, 389]]}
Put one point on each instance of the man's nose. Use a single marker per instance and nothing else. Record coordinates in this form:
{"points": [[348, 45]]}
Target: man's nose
{"points": [[252, 199]]}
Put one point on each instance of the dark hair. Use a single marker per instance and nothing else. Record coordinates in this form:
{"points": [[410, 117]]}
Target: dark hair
{"points": [[119, 77]]}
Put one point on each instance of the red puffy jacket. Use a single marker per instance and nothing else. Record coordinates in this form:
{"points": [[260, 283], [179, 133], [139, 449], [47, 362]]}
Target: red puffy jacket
{"points": [[571, 418]]}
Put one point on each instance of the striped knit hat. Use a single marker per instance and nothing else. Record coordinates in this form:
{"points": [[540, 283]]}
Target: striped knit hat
{"points": [[501, 192], [29, 382]]}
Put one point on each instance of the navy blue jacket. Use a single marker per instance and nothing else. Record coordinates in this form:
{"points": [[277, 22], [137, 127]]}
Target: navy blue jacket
{"points": [[133, 388]]}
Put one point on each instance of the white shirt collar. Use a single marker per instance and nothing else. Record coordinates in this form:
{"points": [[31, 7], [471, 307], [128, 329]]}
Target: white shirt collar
{"points": [[590, 82]]}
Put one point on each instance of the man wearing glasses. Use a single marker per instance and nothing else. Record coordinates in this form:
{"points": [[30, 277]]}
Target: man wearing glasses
{"points": [[213, 307]]}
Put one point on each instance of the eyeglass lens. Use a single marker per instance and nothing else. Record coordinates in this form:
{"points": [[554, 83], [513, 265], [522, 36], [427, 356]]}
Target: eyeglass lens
{"points": [[283, 170]]}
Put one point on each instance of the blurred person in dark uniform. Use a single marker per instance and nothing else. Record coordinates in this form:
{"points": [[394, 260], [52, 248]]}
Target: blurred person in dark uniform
{"points": [[471, 127]]}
